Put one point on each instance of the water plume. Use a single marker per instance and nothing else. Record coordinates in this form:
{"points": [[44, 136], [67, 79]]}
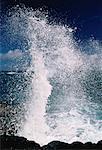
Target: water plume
{"points": [[60, 104]]}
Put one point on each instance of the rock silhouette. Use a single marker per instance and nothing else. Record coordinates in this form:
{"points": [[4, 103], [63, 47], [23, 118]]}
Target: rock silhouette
{"points": [[17, 143], [21, 143]]}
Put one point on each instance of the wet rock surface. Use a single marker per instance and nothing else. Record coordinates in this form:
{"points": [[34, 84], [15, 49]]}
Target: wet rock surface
{"points": [[21, 143]]}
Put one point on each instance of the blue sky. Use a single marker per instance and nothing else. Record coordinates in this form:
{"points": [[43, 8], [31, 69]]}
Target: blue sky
{"points": [[85, 15]]}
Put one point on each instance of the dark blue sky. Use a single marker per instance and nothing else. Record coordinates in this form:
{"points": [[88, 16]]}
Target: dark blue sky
{"points": [[86, 15]]}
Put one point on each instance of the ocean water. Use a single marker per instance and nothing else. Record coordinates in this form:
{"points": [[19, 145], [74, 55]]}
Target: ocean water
{"points": [[57, 92]]}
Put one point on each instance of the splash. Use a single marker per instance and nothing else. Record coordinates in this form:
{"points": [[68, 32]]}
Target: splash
{"points": [[60, 105]]}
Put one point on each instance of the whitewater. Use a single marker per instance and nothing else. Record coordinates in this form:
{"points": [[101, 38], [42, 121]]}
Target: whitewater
{"points": [[64, 98]]}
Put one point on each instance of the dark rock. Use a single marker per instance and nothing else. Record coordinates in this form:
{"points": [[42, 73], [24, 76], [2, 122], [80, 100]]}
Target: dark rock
{"points": [[76, 145], [56, 145], [16, 143], [99, 144], [21, 143]]}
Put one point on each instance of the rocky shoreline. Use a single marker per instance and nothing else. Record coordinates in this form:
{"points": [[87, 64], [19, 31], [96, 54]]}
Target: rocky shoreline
{"points": [[20, 143]]}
